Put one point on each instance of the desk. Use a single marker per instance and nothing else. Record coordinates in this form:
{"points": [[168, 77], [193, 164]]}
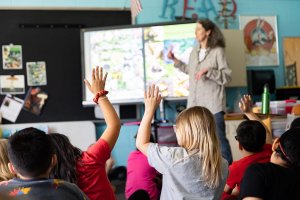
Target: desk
{"points": [[81, 133]]}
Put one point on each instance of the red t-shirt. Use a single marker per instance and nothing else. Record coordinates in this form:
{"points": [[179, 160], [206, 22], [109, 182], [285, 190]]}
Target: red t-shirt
{"points": [[92, 178], [238, 168]]}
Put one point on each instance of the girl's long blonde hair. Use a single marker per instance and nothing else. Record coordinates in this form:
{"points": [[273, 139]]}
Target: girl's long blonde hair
{"points": [[5, 174], [196, 130]]}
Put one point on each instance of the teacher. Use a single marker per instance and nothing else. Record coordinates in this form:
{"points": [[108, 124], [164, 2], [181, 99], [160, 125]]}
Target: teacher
{"points": [[208, 73]]}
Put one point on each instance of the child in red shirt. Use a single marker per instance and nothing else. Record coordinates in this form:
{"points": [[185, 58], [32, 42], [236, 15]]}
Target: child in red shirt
{"points": [[87, 168], [254, 142]]}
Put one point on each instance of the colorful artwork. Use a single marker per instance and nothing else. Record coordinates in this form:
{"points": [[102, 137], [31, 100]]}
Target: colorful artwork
{"points": [[160, 70], [12, 56], [35, 100], [137, 57], [36, 73], [14, 84], [261, 40], [121, 55]]}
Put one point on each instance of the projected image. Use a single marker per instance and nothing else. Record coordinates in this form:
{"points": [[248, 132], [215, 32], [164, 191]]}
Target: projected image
{"points": [[136, 57], [121, 55], [159, 40]]}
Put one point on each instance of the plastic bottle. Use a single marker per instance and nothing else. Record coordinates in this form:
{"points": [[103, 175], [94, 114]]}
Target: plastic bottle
{"points": [[265, 100]]}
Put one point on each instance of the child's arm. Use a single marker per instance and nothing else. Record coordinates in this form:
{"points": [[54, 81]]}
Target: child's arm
{"points": [[246, 107], [152, 100], [111, 133]]}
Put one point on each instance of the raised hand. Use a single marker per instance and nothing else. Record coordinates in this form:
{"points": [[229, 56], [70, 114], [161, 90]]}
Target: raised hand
{"points": [[98, 80], [152, 98], [245, 104]]}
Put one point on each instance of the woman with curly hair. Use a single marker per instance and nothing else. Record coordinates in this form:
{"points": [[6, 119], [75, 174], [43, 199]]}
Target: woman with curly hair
{"points": [[208, 73]]}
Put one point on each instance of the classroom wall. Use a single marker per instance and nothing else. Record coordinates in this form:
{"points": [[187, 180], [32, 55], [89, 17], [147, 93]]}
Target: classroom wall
{"points": [[166, 10], [287, 12]]}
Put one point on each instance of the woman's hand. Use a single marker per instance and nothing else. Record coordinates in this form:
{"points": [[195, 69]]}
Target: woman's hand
{"points": [[171, 55], [98, 80], [201, 73]]}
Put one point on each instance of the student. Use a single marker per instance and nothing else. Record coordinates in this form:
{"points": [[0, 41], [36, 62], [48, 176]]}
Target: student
{"points": [[280, 178], [295, 123], [141, 176], [65, 168], [195, 169], [208, 72], [5, 174], [90, 165], [31, 154], [254, 142], [140, 195]]}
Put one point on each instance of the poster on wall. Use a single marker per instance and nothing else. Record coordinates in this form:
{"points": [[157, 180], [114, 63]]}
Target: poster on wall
{"points": [[11, 107], [35, 100], [261, 40], [12, 84], [36, 73], [12, 56]]}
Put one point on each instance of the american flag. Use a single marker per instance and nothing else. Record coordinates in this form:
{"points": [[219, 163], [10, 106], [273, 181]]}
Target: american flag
{"points": [[136, 8]]}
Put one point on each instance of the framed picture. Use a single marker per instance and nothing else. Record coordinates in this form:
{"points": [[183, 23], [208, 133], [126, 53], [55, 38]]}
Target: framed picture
{"points": [[36, 73], [12, 84], [261, 40], [12, 56]]}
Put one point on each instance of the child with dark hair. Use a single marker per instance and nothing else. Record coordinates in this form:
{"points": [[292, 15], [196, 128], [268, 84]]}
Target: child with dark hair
{"points": [[87, 168], [141, 176], [66, 166], [254, 142], [31, 154], [295, 123], [280, 178]]}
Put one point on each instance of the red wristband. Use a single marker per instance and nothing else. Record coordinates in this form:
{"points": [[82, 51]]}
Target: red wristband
{"points": [[99, 94]]}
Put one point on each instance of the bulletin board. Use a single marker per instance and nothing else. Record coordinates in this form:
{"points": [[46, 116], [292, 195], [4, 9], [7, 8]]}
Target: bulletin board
{"points": [[53, 36]]}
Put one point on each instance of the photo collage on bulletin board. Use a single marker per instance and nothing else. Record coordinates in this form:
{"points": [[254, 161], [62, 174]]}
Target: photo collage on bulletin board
{"points": [[13, 83]]}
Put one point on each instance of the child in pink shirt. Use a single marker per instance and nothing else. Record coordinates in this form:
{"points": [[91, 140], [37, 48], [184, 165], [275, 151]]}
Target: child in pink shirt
{"points": [[141, 176]]}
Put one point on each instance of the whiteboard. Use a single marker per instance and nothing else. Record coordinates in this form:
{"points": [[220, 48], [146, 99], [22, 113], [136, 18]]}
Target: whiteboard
{"points": [[81, 133]]}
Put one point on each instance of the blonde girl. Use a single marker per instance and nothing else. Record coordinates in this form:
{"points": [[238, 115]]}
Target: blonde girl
{"points": [[195, 169], [5, 174]]}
